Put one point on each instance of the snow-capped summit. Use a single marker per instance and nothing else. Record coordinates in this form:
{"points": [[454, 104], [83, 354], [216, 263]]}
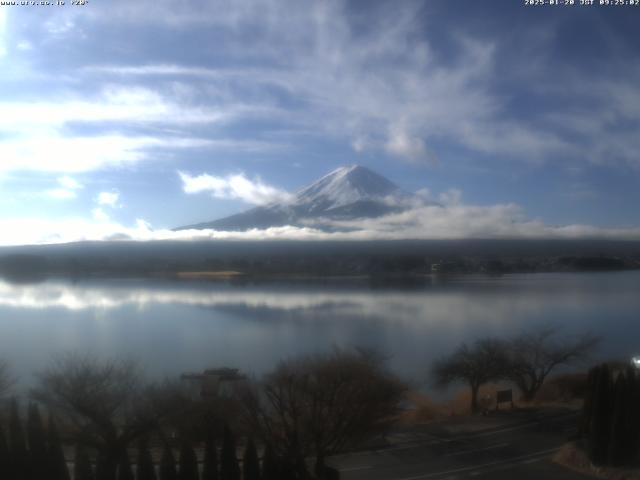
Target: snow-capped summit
{"points": [[343, 186], [347, 193]]}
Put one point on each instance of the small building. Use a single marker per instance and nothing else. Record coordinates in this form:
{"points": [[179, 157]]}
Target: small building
{"points": [[448, 267], [213, 382]]}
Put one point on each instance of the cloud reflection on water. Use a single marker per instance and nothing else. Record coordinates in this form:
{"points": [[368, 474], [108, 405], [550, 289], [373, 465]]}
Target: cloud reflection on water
{"points": [[176, 326]]}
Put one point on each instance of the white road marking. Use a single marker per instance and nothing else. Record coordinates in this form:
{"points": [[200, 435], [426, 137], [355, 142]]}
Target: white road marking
{"points": [[490, 447], [512, 460], [353, 469], [505, 467], [455, 439], [506, 429]]}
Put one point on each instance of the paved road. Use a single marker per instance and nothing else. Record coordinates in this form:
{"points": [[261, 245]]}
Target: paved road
{"points": [[512, 446]]}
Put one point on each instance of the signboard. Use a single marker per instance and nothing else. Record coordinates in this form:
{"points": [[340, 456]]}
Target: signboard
{"points": [[503, 396]]}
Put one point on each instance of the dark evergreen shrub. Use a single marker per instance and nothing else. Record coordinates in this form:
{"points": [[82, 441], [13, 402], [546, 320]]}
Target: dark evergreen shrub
{"points": [[229, 468], [250, 462], [37, 440], [269, 464], [125, 471], [210, 467], [188, 463], [611, 416], [57, 463], [4, 455], [103, 468], [146, 470], [82, 465], [168, 465], [18, 454]]}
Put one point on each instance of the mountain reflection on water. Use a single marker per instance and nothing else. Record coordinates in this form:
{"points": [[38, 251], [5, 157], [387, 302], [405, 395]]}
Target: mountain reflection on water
{"points": [[175, 326]]}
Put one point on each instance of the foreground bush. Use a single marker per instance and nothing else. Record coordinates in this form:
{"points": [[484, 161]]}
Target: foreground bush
{"points": [[321, 405], [611, 416]]}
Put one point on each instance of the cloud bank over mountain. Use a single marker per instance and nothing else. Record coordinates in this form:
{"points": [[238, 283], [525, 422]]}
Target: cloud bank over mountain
{"points": [[455, 221]]}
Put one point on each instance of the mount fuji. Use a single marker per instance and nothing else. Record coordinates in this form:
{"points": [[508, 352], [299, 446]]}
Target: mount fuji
{"points": [[348, 193]]}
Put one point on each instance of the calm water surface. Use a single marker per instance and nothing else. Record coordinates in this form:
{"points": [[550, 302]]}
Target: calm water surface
{"points": [[172, 327]]}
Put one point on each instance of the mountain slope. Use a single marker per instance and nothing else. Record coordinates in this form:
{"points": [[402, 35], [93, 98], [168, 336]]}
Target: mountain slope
{"points": [[347, 193]]}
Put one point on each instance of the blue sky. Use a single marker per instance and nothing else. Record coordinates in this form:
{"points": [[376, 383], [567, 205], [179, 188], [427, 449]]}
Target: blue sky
{"points": [[108, 110]]}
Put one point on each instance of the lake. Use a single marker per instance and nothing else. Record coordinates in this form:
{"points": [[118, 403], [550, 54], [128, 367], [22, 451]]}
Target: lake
{"points": [[176, 326]]}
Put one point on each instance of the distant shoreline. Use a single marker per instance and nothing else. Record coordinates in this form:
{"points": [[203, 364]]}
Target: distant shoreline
{"points": [[395, 261], [240, 278], [208, 275]]}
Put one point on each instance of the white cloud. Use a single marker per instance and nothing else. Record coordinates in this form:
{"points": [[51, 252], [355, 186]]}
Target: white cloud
{"points": [[37, 134], [105, 199], [157, 69], [58, 28], [236, 186], [24, 45], [99, 214], [53, 153], [67, 189], [118, 104], [453, 196], [79, 154], [69, 183], [197, 12], [109, 199], [3, 28], [424, 193], [25, 231], [458, 221], [380, 88], [401, 144], [61, 194], [360, 144]]}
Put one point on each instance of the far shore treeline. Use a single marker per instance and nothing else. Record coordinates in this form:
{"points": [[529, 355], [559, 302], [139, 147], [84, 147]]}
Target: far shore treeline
{"points": [[313, 258]]}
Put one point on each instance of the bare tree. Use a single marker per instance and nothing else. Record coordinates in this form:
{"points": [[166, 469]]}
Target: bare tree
{"points": [[106, 403], [484, 361], [320, 405], [534, 355]]}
